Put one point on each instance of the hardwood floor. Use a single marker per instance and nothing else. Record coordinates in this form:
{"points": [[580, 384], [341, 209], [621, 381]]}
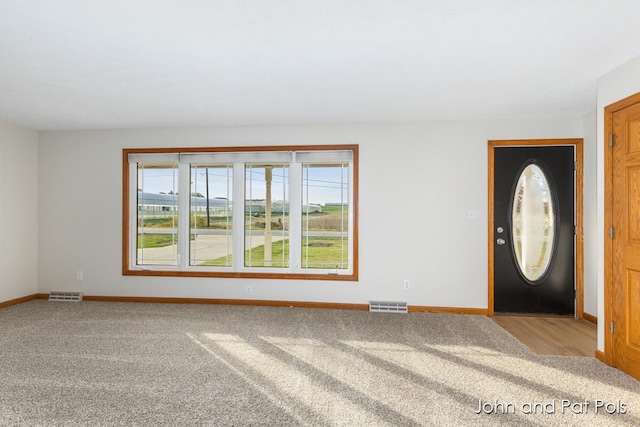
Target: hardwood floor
{"points": [[556, 336]]}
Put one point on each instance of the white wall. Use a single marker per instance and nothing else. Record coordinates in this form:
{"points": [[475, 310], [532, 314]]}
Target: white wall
{"points": [[590, 214], [613, 86], [18, 212], [417, 184]]}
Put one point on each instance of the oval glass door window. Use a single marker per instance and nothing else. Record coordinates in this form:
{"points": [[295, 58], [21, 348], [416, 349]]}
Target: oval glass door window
{"points": [[533, 224]]}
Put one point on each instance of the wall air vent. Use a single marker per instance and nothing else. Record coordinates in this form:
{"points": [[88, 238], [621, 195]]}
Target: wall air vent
{"points": [[388, 307], [65, 296]]}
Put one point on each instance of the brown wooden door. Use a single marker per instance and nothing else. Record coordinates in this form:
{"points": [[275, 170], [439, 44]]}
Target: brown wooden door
{"points": [[626, 241]]}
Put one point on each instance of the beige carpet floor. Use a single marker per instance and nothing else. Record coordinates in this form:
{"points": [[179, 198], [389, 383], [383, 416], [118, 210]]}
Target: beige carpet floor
{"points": [[93, 363]]}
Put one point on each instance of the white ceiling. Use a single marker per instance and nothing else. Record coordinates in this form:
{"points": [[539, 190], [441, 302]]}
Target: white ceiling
{"points": [[87, 64]]}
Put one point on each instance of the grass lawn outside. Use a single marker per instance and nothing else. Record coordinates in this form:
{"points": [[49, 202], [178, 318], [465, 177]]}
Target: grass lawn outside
{"points": [[317, 252], [146, 241]]}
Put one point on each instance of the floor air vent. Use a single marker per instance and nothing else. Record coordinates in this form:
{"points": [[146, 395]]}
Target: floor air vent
{"points": [[388, 307], [65, 296]]}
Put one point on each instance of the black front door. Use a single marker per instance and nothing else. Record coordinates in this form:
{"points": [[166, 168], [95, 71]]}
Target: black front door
{"points": [[533, 229]]}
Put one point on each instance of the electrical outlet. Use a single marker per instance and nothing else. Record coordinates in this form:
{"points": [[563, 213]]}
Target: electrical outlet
{"points": [[79, 275], [249, 289], [407, 284]]}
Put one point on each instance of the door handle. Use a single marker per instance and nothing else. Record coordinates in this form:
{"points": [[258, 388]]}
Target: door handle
{"points": [[501, 241]]}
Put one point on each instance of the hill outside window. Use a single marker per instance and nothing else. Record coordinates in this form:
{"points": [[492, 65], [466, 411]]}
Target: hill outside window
{"points": [[259, 212]]}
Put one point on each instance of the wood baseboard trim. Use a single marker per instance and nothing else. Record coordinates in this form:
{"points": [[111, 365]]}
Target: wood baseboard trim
{"points": [[276, 303], [601, 356], [590, 318], [17, 301], [450, 310], [268, 303], [257, 303]]}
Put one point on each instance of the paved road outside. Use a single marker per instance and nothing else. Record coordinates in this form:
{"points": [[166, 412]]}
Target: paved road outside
{"points": [[204, 247]]}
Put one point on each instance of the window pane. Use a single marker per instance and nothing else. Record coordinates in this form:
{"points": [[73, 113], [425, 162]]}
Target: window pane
{"points": [[266, 215], [157, 221], [325, 216], [211, 215], [533, 223], [196, 232]]}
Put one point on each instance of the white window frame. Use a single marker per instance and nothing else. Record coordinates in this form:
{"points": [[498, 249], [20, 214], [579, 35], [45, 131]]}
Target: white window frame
{"points": [[294, 156]]}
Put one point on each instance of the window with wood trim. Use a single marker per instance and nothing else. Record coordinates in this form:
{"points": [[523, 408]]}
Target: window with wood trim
{"points": [[272, 212]]}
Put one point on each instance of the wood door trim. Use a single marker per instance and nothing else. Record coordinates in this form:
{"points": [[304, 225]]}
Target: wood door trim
{"points": [[577, 143], [609, 111]]}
